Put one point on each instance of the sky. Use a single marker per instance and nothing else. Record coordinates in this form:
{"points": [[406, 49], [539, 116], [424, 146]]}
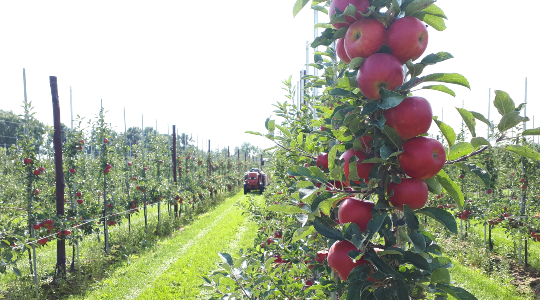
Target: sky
{"points": [[215, 70]]}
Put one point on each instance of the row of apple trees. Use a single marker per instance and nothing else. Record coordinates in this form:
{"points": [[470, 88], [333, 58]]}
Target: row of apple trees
{"points": [[354, 168], [108, 177]]}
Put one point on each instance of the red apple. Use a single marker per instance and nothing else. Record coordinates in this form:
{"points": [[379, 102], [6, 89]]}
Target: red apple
{"points": [[522, 180], [461, 176], [361, 169], [354, 210], [322, 161], [37, 172], [380, 70], [361, 5], [144, 168], [340, 49], [43, 241], [133, 178], [364, 38], [129, 164], [410, 118], [489, 191], [523, 187], [27, 161], [106, 141], [36, 192], [408, 38], [422, 157], [41, 169], [340, 262], [365, 139], [80, 201], [67, 232], [109, 205], [413, 192], [72, 171], [108, 166], [107, 170], [37, 226], [79, 194]]}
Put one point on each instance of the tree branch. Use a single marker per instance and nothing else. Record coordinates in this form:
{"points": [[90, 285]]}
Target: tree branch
{"points": [[463, 158]]}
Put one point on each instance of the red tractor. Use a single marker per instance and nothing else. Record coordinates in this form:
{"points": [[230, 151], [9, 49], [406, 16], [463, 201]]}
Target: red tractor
{"points": [[255, 180]]}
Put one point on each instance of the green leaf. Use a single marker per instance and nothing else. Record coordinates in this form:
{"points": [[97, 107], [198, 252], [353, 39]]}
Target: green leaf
{"points": [[356, 63], [504, 103], [456, 292], [378, 262], [320, 198], [447, 131], [350, 11], [451, 188], [468, 117], [440, 88], [326, 230], [436, 58], [286, 209], [410, 218], [226, 258], [510, 120], [440, 275], [392, 136], [435, 11], [353, 234], [389, 99], [298, 6], [254, 132], [434, 21], [332, 156], [417, 5], [479, 141], [17, 271], [375, 224], [524, 151], [459, 150], [302, 232], [535, 131], [386, 152], [417, 260], [340, 33], [433, 185], [481, 117], [449, 78], [418, 241], [476, 171], [271, 125]]}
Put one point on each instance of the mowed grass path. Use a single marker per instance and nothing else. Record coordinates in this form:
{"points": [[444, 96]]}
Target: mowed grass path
{"points": [[173, 268]]}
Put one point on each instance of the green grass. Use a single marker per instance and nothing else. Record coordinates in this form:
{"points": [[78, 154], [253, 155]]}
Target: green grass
{"points": [[171, 269]]}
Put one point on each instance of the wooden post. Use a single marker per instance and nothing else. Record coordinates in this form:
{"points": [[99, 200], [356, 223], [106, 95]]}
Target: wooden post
{"points": [[174, 166], [59, 171]]}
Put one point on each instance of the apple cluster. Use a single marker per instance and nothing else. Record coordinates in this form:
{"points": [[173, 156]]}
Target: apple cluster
{"points": [[422, 158]]}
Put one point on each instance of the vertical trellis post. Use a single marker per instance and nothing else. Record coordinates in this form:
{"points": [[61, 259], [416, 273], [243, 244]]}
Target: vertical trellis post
{"points": [[59, 172], [175, 178]]}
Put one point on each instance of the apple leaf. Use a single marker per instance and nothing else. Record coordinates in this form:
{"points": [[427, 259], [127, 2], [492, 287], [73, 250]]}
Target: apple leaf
{"points": [[302, 232], [510, 120], [481, 117], [435, 11], [340, 92], [468, 117], [319, 199], [436, 58], [226, 258], [286, 209], [459, 150], [375, 224], [479, 141], [440, 215], [410, 218], [524, 151], [440, 275], [440, 88], [447, 131], [350, 11], [449, 78], [323, 25], [356, 63], [392, 136], [535, 131], [389, 99], [434, 21], [451, 188], [326, 230], [417, 5], [325, 39], [503, 103], [433, 185], [340, 33], [456, 292], [476, 171], [410, 84], [16, 271], [320, 8], [418, 241], [254, 133], [414, 69], [298, 6]]}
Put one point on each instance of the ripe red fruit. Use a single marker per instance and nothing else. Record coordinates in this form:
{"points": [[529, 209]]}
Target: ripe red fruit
{"points": [[438, 196], [37, 172], [133, 178], [504, 208], [79, 194], [138, 187], [522, 180], [408, 38], [129, 164], [523, 187], [461, 176], [412, 117], [361, 169], [365, 139], [361, 6], [342, 54], [364, 38], [72, 171], [132, 205], [109, 205], [144, 168], [440, 206], [108, 166], [106, 141], [380, 70], [489, 191], [37, 226], [36, 192], [67, 232], [321, 256], [80, 201], [107, 170], [270, 240], [27, 161], [422, 157], [41, 169], [43, 241], [506, 215], [413, 192], [354, 210], [340, 262], [322, 161]]}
